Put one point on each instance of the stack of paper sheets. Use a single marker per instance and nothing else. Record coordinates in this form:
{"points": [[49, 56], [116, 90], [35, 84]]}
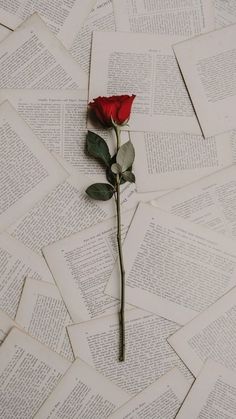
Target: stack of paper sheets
{"points": [[59, 278]]}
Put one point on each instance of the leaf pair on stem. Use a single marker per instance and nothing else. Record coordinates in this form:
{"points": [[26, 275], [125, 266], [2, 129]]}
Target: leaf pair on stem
{"points": [[120, 165]]}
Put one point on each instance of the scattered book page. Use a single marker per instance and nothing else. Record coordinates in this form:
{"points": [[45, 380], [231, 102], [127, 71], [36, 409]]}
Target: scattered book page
{"points": [[28, 170], [101, 18], [67, 210], [225, 12], [6, 324], [213, 394], [17, 262], [4, 32], [32, 57], [205, 61], [173, 267], [62, 19], [59, 119], [74, 22], [81, 265], [29, 372], [82, 393], [162, 399], [43, 315], [170, 160], [212, 334], [130, 196], [179, 17], [128, 63], [128, 189], [233, 143], [148, 354], [64, 211], [210, 201]]}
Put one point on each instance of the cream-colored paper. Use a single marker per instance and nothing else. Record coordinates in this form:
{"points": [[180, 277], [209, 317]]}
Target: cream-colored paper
{"points": [[207, 63], [162, 399], [129, 195], [4, 32], [62, 18], [32, 57], [6, 324], [211, 201], [179, 17], [67, 209], [101, 18], [212, 334], [82, 264], [16, 263], [64, 211], [82, 393], [29, 372], [43, 314], [28, 170], [213, 394], [225, 12], [148, 355], [174, 268], [58, 118], [129, 64], [169, 160]]}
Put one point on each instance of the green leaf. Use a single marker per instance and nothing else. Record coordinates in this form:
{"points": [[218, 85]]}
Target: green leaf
{"points": [[115, 168], [97, 147], [128, 176], [111, 177], [100, 191], [125, 156]]}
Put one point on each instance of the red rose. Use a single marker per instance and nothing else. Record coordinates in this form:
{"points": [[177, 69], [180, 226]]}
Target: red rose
{"points": [[112, 109]]}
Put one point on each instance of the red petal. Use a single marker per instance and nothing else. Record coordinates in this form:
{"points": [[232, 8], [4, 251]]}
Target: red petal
{"points": [[125, 108]]}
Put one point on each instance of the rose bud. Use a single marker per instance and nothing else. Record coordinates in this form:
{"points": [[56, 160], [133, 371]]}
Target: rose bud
{"points": [[113, 110]]}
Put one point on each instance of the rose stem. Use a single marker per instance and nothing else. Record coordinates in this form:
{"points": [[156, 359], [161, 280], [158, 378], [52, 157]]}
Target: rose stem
{"points": [[121, 261]]}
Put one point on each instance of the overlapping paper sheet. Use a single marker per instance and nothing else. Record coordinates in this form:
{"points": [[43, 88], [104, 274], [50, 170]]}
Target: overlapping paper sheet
{"points": [[59, 277]]}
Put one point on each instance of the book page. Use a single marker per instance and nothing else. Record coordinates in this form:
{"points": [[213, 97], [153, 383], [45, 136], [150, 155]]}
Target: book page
{"points": [[82, 393], [178, 17], [60, 18], [59, 119], [101, 18], [128, 64], [64, 211], [162, 399], [129, 195], [174, 268], [213, 395], [32, 57], [4, 32], [29, 372], [16, 263], [28, 170], [205, 61], [210, 201], [169, 160], [43, 314], [6, 324], [148, 354], [67, 210], [81, 266], [225, 12], [212, 334]]}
